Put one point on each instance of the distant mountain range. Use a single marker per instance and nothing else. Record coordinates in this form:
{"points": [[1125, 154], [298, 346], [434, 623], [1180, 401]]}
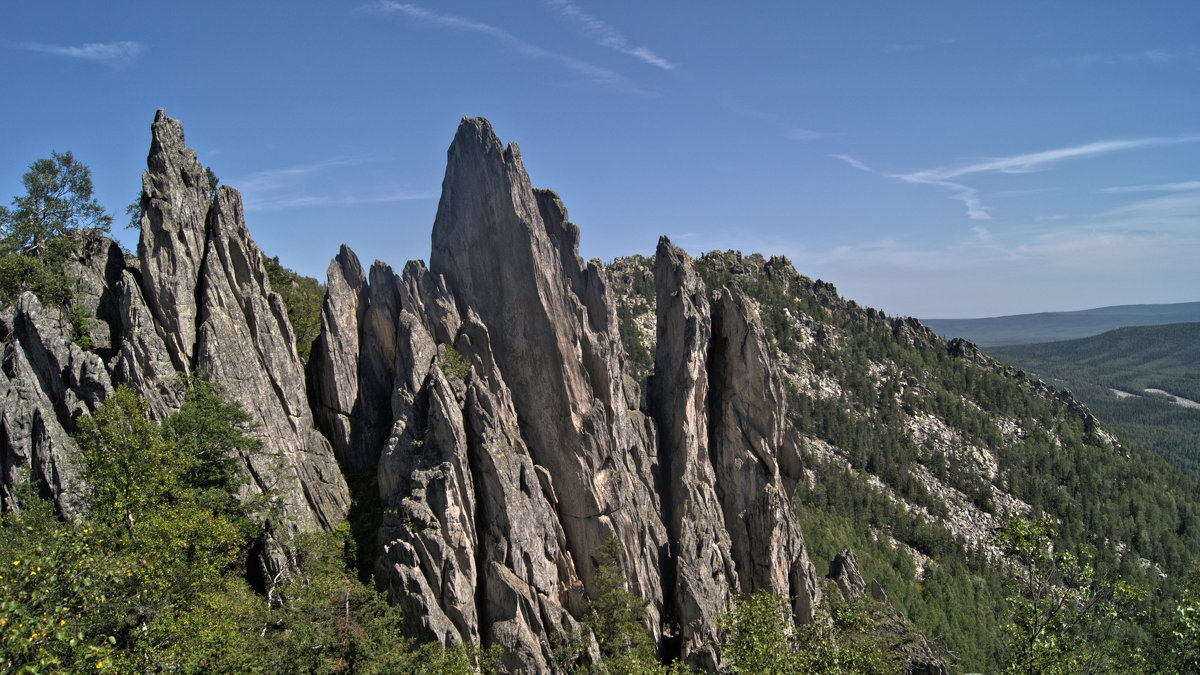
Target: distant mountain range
{"points": [[1053, 326]]}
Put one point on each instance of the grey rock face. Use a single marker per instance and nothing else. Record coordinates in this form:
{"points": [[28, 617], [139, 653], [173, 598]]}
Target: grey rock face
{"points": [[333, 364], [428, 532], [143, 361], [843, 569], [510, 255], [175, 203], [245, 342], [727, 455], [528, 575], [748, 412], [704, 571], [46, 382], [96, 268], [470, 544]]}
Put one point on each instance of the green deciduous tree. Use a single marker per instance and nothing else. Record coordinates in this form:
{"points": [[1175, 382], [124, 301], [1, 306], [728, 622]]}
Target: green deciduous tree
{"points": [[1066, 617], [55, 582], [34, 233], [761, 637]]}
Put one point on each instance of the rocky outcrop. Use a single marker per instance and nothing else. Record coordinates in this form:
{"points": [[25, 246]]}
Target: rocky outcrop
{"points": [[512, 453], [509, 254], [244, 341], [143, 361], [729, 461], [96, 268], [333, 363], [704, 571], [751, 449], [470, 542], [844, 572], [198, 302], [46, 382], [176, 196]]}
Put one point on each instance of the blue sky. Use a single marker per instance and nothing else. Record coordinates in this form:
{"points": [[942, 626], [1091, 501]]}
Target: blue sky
{"points": [[934, 159]]}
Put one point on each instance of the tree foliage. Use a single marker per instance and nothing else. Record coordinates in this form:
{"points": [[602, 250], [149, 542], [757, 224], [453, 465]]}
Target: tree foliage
{"points": [[35, 234], [761, 637], [303, 297], [1066, 616]]}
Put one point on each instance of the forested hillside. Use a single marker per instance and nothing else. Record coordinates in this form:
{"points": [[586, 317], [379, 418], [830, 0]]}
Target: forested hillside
{"points": [[1130, 377], [917, 450]]}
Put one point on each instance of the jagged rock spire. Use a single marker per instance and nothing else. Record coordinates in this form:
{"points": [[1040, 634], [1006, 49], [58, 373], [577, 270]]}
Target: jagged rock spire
{"points": [[509, 254]]}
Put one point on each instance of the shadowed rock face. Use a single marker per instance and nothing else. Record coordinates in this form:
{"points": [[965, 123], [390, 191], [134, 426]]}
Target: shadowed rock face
{"points": [[749, 445], [721, 410]]}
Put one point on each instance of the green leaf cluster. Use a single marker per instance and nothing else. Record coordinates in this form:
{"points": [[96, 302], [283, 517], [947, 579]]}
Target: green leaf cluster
{"points": [[36, 233], [762, 637], [152, 578], [302, 296], [1065, 615]]}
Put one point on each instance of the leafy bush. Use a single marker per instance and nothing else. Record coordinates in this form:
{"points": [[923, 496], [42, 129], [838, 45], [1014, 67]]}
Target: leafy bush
{"points": [[303, 297]]}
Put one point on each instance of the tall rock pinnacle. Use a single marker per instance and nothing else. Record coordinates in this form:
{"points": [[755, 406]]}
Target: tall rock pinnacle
{"points": [[508, 253], [207, 292], [175, 201]]}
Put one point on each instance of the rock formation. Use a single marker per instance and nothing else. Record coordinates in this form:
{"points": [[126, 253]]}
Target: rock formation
{"points": [[200, 303], [721, 413], [486, 398], [510, 255], [751, 450], [46, 381], [704, 571]]}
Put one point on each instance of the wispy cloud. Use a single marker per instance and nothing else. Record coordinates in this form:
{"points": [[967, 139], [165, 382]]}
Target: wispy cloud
{"points": [[802, 134], [1153, 57], [607, 36], [855, 163], [1185, 186], [301, 201], [295, 187], [1037, 161], [597, 74], [969, 196], [110, 53], [948, 177]]}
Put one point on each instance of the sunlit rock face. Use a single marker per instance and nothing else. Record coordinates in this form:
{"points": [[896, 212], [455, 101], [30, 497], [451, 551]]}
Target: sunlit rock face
{"points": [[198, 301]]}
